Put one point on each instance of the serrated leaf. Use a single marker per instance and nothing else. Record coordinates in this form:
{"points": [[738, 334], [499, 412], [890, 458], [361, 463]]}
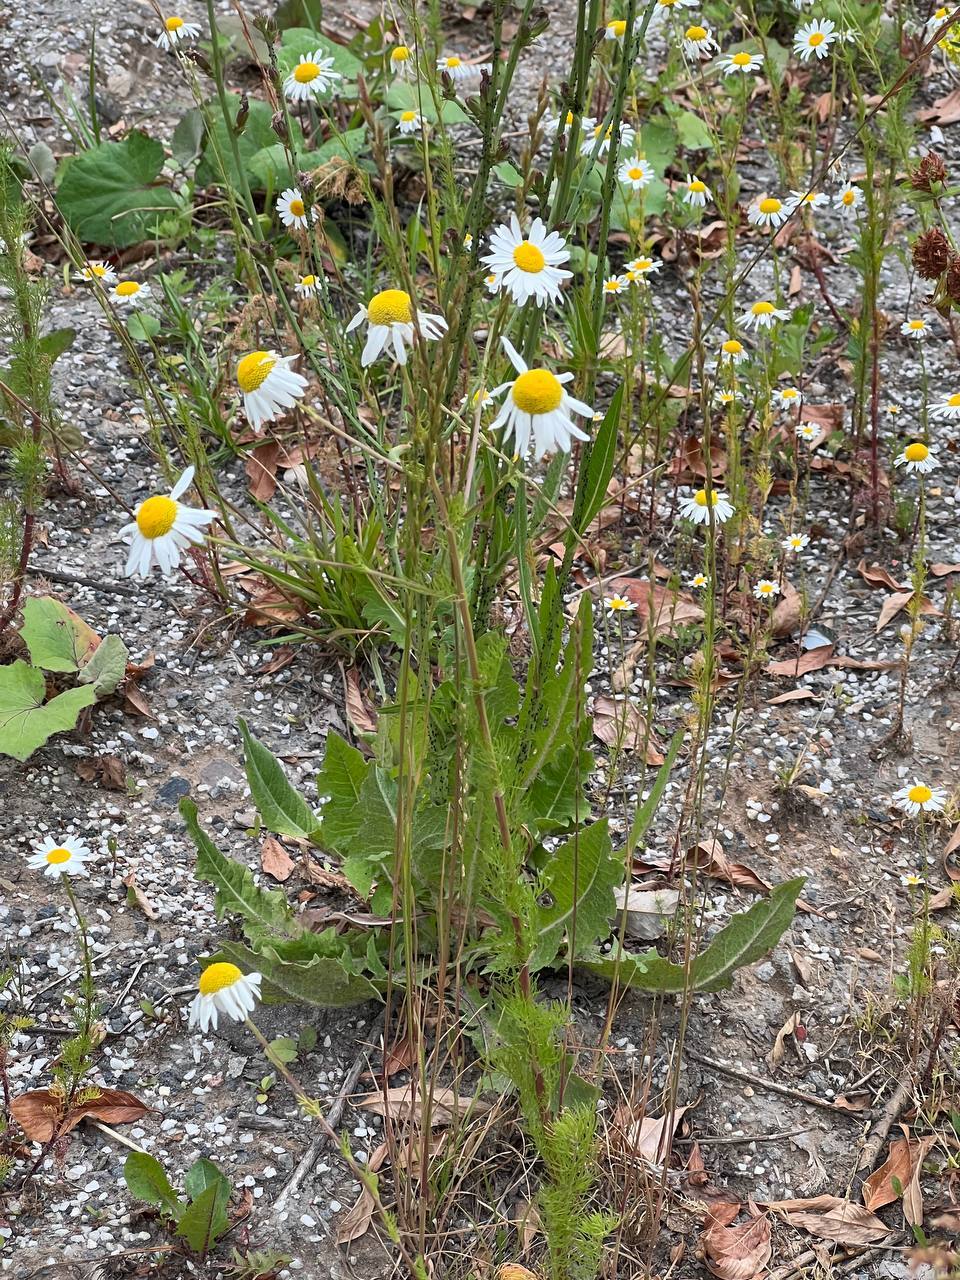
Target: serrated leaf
{"points": [[205, 1219], [26, 721], [146, 1179], [579, 881], [107, 666], [111, 193], [58, 638], [283, 810], [316, 969], [264, 911]]}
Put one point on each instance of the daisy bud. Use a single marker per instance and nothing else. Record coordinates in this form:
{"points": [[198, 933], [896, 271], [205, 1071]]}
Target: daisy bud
{"points": [[279, 125], [931, 170], [931, 254]]}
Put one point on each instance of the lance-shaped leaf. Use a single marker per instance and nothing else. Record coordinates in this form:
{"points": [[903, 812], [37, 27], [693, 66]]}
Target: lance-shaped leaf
{"points": [[283, 809], [576, 895]]}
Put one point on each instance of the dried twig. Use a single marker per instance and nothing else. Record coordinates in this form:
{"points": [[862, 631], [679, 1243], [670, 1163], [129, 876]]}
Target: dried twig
{"points": [[770, 1085]]}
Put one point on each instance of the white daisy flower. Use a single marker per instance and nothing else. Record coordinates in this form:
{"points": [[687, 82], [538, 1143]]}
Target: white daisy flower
{"points": [[803, 4], [725, 397], [174, 31], [458, 70], [848, 200], [892, 409], [563, 124], [805, 200], [638, 269], [808, 432], [917, 457], [936, 21], [128, 293], [223, 988], [947, 410], [912, 880], [787, 397], [615, 284], [763, 315], [390, 321], [492, 282], [920, 799], [699, 581], [410, 122], [732, 351], [528, 268], [161, 527], [96, 270], [268, 384], [594, 133], [766, 589], [664, 9], [312, 76], [619, 604], [401, 60], [795, 542], [916, 329], [615, 29], [813, 39], [697, 507], [767, 211], [744, 63], [537, 405], [57, 858], [636, 173], [697, 192], [293, 211], [698, 42], [307, 286]]}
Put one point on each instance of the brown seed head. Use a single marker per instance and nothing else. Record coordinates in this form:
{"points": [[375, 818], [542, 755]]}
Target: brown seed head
{"points": [[931, 170], [931, 254]]}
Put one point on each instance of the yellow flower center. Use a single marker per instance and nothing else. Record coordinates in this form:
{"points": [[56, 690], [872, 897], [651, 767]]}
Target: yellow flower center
{"points": [[762, 308], [297, 207], [698, 186], [954, 401], [703, 499], [919, 794], [253, 369], [696, 33], [400, 54], [765, 588], [304, 72], [58, 856], [537, 391], [453, 62], [848, 198], [770, 205], [618, 602], [816, 38], [529, 258], [392, 306], [917, 325], [308, 281], [127, 288], [569, 120], [217, 976], [173, 24], [635, 174], [408, 117], [643, 264], [612, 286], [96, 271], [916, 452], [789, 393], [156, 516], [741, 59], [618, 26], [732, 347]]}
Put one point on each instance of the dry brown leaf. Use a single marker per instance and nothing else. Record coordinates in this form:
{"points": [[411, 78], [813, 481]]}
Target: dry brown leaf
{"points": [[134, 701], [357, 1219], [940, 570], [622, 725], [695, 1169], [261, 469], [39, 1114], [514, 1271], [712, 861], [945, 110], [831, 1218], [786, 616], [359, 712], [776, 1054], [140, 898], [622, 676], [402, 1101], [722, 1212], [808, 660], [658, 609], [952, 845], [792, 695], [109, 771], [878, 1189], [796, 282], [738, 1252], [650, 1136], [275, 860], [940, 900], [688, 463], [876, 576], [900, 600]]}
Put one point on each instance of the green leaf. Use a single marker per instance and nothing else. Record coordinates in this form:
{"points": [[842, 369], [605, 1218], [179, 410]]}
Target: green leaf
{"points": [[316, 969], [340, 780], [270, 167], [205, 1220], [106, 667], [142, 326], [507, 174], [217, 164], [693, 133], [110, 193], [26, 721], [58, 638], [284, 1049], [43, 162], [147, 1180], [203, 1174], [264, 912], [300, 42], [644, 815], [283, 810], [599, 469], [579, 881], [56, 342], [187, 141]]}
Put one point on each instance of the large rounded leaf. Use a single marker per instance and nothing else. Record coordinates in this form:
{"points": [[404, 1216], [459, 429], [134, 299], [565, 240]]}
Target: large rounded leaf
{"points": [[111, 193]]}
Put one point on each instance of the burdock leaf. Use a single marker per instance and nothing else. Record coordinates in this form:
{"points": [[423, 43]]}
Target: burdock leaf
{"points": [[26, 721]]}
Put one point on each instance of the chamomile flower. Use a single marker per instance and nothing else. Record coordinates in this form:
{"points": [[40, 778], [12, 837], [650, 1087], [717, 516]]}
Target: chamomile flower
{"points": [[700, 581], [725, 397], [313, 75], [307, 286], [389, 316], [697, 192], [57, 858], [697, 507], [892, 409], [174, 31], [787, 397], [615, 284], [912, 880], [619, 604], [636, 173], [795, 542], [528, 267], [803, 4], [698, 42], [664, 8], [481, 398], [915, 329], [936, 21], [766, 589], [594, 133], [223, 988], [808, 432], [639, 268], [947, 410], [763, 315], [492, 282], [268, 385], [917, 457], [458, 70], [129, 293], [813, 39], [401, 60], [743, 63], [767, 211], [847, 200], [805, 200], [615, 29], [293, 211], [732, 351], [161, 528], [563, 124], [96, 271], [919, 799], [537, 405], [410, 122]]}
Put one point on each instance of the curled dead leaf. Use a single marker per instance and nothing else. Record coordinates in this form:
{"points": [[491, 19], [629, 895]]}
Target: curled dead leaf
{"points": [[39, 1113], [358, 1217], [649, 1136], [275, 860], [137, 895], [622, 725], [831, 1218], [738, 1252], [775, 1056]]}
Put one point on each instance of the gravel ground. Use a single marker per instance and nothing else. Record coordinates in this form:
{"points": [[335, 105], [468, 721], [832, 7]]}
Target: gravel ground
{"points": [[205, 1090]]}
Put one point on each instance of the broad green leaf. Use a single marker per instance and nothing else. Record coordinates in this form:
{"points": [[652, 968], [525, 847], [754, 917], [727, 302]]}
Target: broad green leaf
{"points": [[284, 1049], [58, 638], [147, 1180], [265, 912], [112, 194], [599, 469], [270, 167], [578, 883], [340, 779], [204, 1173], [187, 141], [107, 666], [644, 815], [693, 133], [142, 326], [316, 969], [300, 42], [283, 810], [26, 721], [508, 174], [410, 97], [205, 1219], [56, 342], [217, 164]]}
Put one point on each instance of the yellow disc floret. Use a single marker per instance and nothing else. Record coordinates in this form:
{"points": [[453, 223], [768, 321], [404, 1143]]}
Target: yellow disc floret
{"points": [[816, 38], [155, 517], [732, 347], [58, 856], [297, 207], [916, 452], [173, 24], [217, 976], [697, 186], [400, 54], [537, 391], [618, 26], [770, 205], [954, 401], [408, 117], [304, 72], [453, 62], [253, 369], [696, 33], [308, 281], [391, 306], [919, 794], [529, 258], [704, 499], [127, 288], [741, 59], [763, 308]]}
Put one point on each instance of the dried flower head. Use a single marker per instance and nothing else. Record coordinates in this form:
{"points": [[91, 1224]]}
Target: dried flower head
{"points": [[930, 170], [951, 281], [931, 254]]}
